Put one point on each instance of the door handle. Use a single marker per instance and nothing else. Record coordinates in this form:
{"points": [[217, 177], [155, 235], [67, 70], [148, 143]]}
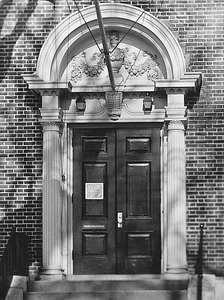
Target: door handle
{"points": [[119, 220]]}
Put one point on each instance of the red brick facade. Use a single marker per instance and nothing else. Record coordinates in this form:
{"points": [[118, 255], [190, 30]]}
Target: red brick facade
{"points": [[198, 26]]}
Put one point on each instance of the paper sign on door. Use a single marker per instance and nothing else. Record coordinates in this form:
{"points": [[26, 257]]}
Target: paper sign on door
{"points": [[94, 191]]}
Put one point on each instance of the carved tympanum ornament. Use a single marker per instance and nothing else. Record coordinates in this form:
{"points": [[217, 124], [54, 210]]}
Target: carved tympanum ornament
{"points": [[136, 62]]}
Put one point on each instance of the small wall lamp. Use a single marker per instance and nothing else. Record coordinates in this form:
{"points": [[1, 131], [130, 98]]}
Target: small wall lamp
{"points": [[80, 103], [147, 103]]}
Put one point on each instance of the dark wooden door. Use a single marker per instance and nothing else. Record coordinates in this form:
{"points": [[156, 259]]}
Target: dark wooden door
{"points": [[116, 201], [138, 201], [94, 201]]}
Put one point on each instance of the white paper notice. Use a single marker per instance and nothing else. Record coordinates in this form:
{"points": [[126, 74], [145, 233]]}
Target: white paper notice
{"points": [[94, 191]]}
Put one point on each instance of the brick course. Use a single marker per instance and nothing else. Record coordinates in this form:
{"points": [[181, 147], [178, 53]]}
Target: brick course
{"points": [[198, 25]]}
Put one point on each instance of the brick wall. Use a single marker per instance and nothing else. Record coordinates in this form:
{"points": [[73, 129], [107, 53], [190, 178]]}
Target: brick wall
{"points": [[199, 27], [205, 147], [24, 26]]}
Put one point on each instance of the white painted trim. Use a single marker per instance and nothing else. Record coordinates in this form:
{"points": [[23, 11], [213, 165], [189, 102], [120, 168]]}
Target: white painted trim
{"points": [[64, 216], [67, 200], [68, 156], [163, 189]]}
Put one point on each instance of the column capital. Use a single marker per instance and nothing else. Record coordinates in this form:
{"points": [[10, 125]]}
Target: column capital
{"points": [[176, 125], [52, 126]]}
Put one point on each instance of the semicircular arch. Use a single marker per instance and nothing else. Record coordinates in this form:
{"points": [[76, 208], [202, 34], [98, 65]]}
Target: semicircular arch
{"points": [[71, 36]]}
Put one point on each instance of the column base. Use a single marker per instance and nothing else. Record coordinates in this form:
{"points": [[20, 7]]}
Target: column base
{"points": [[175, 269], [52, 277], [177, 273], [52, 273]]}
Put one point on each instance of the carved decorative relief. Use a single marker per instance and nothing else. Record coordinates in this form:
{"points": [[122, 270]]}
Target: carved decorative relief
{"points": [[79, 66], [136, 62], [114, 102], [176, 125], [117, 55], [52, 126], [149, 66]]}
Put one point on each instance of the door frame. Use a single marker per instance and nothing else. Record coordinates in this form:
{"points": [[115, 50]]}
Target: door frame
{"points": [[67, 188]]}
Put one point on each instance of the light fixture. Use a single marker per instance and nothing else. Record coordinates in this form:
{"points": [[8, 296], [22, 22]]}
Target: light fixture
{"points": [[147, 103], [80, 103]]}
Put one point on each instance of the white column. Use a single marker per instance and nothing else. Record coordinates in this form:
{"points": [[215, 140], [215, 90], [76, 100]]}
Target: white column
{"points": [[52, 198], [176, 200], [51, 121]]}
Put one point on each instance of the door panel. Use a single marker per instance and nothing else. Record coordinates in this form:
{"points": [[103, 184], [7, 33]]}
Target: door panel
{"points": [[116, 175], [94, 180], [138, 199], [138, 183], [94, 194]]}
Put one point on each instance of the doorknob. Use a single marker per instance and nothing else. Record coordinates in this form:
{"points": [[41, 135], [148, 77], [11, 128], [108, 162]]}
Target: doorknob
{"points": [[119, 220]]}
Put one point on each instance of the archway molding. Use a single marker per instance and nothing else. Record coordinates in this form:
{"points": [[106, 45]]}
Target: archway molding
{"points": [[71, 36]]}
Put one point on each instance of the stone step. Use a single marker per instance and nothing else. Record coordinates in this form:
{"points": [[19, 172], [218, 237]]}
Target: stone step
{"points": [[110, 295], [105, 285]]}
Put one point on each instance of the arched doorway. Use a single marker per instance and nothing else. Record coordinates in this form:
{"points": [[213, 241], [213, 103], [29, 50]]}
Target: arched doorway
{"points": [[151, 84]]}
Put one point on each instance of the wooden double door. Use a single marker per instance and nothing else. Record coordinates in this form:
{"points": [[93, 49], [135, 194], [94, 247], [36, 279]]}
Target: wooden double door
{"points": [[117, 201]]}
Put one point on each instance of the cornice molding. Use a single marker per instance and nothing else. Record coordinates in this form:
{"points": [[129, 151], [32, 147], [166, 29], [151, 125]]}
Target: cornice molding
{"points": [[187, 83]]}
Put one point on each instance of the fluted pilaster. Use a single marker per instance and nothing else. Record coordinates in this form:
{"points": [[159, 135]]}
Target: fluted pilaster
{"points": [[176, 218], [52, 205]]}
